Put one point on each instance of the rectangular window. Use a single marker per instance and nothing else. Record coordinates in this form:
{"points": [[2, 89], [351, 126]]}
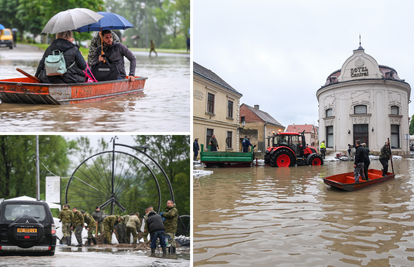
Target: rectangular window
{"points": [[14, 211], [243, 119], [361, 133], [210, 133], [361, 109], [210, 103], [395, 136], [329, 136], [229, 139], [395, 110], [230, 109], [329, 113]]}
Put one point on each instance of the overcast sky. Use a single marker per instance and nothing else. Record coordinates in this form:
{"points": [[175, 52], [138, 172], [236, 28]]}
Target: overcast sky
{"points": [[279, 53]]}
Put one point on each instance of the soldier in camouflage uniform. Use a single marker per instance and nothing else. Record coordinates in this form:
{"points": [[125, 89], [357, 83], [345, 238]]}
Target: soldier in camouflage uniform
{"points": [[109, 225], [170, 223], [66, 216], [91, 226], [145, 225], [385, 157], [121, 228], [99, 216], [77, 224], [132, 227], [95, 43]]}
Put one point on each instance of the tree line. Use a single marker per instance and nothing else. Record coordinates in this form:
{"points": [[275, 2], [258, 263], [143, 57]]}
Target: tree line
{"points": [[167, 22]]}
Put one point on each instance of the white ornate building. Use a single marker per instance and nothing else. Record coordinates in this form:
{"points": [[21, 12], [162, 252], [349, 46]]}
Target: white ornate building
{"points": [[365, 101]]}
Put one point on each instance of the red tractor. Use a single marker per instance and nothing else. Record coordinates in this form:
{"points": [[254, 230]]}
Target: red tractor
{"points": [[289, 149]]}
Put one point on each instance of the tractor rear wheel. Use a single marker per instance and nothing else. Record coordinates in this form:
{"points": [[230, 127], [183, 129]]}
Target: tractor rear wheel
{"points": [[316, 160], [282, 158]]}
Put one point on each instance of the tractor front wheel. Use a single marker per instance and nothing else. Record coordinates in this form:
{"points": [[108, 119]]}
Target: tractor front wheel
{"points": [[316, 160]]}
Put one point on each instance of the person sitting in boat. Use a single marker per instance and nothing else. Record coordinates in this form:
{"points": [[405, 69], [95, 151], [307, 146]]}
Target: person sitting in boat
{"points": [[115, 53], [96, 42], [75, 63], [360, 156]]}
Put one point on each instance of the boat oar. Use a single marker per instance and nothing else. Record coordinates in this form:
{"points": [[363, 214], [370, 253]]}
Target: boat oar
{"points": [[389, 147], [28, 75]]}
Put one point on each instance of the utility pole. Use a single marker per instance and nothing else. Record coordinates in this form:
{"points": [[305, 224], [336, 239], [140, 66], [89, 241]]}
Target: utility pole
{"points": [[37, 170]]}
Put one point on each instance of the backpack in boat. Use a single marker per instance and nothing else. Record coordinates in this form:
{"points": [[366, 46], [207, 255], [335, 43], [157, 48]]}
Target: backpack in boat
{"points": [[105, 71], [55, 64]]}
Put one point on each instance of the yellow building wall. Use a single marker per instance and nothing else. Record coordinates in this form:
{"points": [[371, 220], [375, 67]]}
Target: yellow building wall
{"points": [[219, 122]]}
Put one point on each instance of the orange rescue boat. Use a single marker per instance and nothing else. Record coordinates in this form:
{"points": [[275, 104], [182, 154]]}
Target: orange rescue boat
{"points": [[346, 181], [29, 91]]}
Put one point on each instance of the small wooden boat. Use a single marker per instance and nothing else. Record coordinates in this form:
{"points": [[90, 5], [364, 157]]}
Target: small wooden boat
{"points": [[28, 91], [346, 181]]}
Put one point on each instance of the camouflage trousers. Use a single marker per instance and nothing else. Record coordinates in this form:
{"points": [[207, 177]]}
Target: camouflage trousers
{"points": [[78, 233], [108, 232], [90, 232], [100, 228], [66, 229], [133, 231], [145, 235], [172, 240]]}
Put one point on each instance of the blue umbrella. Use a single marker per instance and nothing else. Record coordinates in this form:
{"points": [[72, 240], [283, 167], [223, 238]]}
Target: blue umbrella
{"points": [[2, 27], [15, 30], [110, 21]]}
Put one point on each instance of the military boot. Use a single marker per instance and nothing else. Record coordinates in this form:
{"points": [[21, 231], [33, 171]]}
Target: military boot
{"points": [[67, 240], [152, 250], [89, 242], [164, 250], [70, 241], [94, 240], [172, 250], [105, 241]]}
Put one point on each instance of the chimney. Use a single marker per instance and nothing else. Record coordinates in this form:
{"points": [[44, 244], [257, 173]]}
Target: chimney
{"points": [[256, 107]]}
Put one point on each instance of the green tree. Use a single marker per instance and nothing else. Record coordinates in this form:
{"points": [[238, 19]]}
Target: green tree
{"points": [[18, 162], [173, 154], [411, 130]]}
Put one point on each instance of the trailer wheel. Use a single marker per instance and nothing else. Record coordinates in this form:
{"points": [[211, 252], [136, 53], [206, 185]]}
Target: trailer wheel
{"points": [[282, 158], [316, 160]]}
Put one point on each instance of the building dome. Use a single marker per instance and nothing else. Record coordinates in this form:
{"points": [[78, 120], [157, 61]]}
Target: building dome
{"points": [[364, 101]]}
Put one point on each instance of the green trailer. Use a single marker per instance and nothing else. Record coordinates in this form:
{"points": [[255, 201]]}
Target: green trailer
{"points": [[214, 159]]}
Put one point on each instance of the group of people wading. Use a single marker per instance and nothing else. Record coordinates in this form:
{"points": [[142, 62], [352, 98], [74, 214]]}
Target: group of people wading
{"points": [[157, 226]]}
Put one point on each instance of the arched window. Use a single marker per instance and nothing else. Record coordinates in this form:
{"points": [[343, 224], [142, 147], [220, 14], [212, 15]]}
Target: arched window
{"points": [[360, 109], [395, 110], [329, 113]]}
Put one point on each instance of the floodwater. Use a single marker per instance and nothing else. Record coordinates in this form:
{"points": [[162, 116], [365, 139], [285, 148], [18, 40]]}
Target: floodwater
{"points": [[164, 106], [73, 256], [264, 216]]}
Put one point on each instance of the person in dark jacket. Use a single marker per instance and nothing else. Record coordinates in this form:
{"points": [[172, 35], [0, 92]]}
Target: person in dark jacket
{"points": [[385, 157], [213, 143], [367, 161], [115, 53], [157, 230], [71, 53], [246, 143], [360, 156], [196, 148]]}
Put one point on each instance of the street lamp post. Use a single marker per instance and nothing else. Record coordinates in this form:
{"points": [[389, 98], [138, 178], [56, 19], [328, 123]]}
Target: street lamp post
{"points": [[146, 25]]}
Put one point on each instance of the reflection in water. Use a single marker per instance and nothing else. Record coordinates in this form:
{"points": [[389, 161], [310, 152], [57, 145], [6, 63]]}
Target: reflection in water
{"points": [[289, 217], [164, 106]]}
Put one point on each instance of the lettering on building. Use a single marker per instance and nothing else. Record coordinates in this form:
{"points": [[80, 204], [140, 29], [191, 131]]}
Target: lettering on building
{"points": [[359, 72]]}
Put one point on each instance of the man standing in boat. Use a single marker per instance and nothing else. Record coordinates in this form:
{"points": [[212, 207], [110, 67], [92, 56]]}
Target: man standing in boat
{"points": [[360, 155], [115, 53], [213, 143], [367, 160], [384, 158]]}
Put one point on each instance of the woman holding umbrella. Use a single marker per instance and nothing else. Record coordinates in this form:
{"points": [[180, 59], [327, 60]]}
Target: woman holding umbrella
{"points": [[75, 64]]}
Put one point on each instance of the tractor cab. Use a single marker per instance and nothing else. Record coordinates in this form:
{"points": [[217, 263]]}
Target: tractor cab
{"points": [[294, 141]]}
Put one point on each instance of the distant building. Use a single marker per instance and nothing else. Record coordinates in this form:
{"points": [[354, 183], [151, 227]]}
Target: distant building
{"points": [[215, 109], [311, 135], [365, 101], [259, 122]]}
